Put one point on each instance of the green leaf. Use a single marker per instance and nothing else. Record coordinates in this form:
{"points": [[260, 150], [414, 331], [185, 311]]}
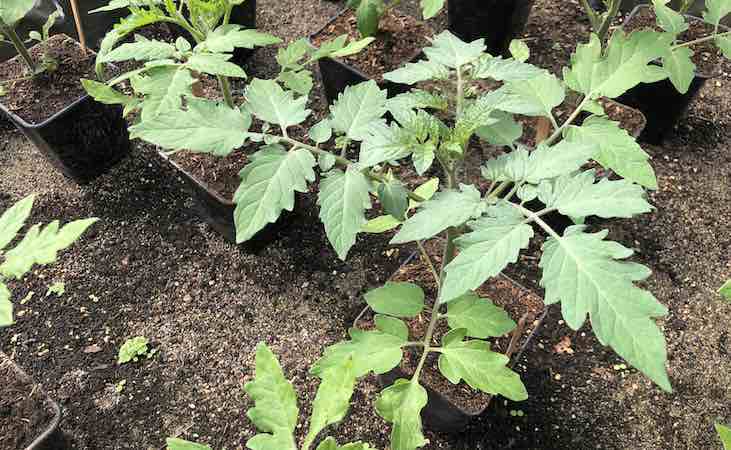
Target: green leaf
{"points": [[181, 444], [289, 57], [275, 411], [392, 325], [343, 199], [356, 108], [332, 399], [132, 349], [724, 43], [41, 246], [535, 96], [412, 73], [477, 114], [447, 209], [478, 316], [394, 198], [321, 132], [106, 94], [623, 67], [142, 49], [381, 224], [57, 289], [268, 184], [504, 132], [11, 11], [326, 161], [431, 8], [300, 82], [375, 351], [587, 274], [577, 195], [716, 10], [500, 69], [617, 149], [542, 163], [680, 67], [669, 19], [13, 219], [724, 433], [725, 290], [164, 88], [450, 51], [493, 243], [368, 16], [215, 64], [397, 299], [401, 405], [331, 444], [327, 48], [206, 127], [519, 50], [269, 102], [480, 367], [352, 48], [425, 191], [228, 37], [6, 307], [417, 99]]}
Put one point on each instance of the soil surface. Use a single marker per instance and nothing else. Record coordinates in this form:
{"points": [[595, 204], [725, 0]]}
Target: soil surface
{"points": [[152, 267], [25, 412], [38, 98], [706, 55], [400, 38]]}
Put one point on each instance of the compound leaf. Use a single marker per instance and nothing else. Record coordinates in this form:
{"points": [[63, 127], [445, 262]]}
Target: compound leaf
{"points": [[270, 103], [535, 96], [332, 399], [215, 64], [142, 49], [356, 108], [412, 73], [448, 50], [228, 37]]}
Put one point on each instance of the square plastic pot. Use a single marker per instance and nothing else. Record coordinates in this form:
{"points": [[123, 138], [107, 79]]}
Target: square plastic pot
{"points": [[83, 140], [662, 105]]}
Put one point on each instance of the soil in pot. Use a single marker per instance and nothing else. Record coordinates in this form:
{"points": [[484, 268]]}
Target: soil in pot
{"points": [[36, 99], [26, 412]]}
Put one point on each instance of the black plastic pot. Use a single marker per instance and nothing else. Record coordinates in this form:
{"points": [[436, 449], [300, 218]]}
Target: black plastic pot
{"points": [[49, 434], [218, 211], [497, 21], [662, 105], [83, 140], [337, 75]]}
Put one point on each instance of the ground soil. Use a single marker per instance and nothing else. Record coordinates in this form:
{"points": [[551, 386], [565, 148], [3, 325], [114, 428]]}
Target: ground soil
{"points": [[399, 40], [151, 267], [25, 410], [706, 55], [38, 98]]}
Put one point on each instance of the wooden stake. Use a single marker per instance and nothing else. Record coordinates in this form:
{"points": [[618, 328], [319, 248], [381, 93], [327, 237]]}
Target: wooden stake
{"points": [[79, 28]]}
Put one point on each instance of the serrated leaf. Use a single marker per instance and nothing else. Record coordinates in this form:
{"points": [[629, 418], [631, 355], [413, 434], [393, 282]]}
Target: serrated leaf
{"points": [[535, 96], [477, 114], [6, 307], [374, 351], [13, 219], [343, 199], [577, 195], [617, 150], [270, 103], [587, 274], [290, 56], [565, 157], [181, 444], [163, 88], [446, 209], [493, 243], [226, 38], [430, 8], [401, 405], [716, 10], [106, 94], [215, 64], [275, 411], [300, 82], [41, 246], [352, 48], [500, 69], [332, 399], [385, 143], [724, 433], [417, 99], [480, 368], [142, 49], [724, 43], [504, 132], [356, 108], [381, 224], [448, 50], [205, 127], [396, 299], [394, 198], [519, 50], [412, 73], [268, 184], [725, 290], [327, 48], [478, 316], [680, 68]]}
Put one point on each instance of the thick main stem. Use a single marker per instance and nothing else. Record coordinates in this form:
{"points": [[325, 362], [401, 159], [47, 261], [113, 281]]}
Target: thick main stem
{"points": [[608, 19], [18, 44]]}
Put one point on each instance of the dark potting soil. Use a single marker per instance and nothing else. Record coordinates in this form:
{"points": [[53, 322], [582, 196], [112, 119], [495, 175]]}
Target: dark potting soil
{"points": [[706, 55], [25, 412], [38, 98], [400, 38]]}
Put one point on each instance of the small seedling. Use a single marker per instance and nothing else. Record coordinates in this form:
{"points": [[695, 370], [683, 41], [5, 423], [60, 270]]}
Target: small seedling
{"points": [[725, 290], [517, 413], [119, 387], [57, 289], [11, 13], [133, 349]]}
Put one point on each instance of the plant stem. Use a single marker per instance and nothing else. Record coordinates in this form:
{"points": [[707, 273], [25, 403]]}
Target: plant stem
{"points": [[608, 19], [531, 216], [699, 40], [226, 90], [591, 14], [10, 33], [568, 121], [428, 261]]}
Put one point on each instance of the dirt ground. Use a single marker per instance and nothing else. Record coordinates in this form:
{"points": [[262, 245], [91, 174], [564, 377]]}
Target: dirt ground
{"points": [[151, 267]]}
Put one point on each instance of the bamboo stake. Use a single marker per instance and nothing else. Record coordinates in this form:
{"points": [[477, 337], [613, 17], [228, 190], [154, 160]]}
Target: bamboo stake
{"points": [[79, 28]]}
